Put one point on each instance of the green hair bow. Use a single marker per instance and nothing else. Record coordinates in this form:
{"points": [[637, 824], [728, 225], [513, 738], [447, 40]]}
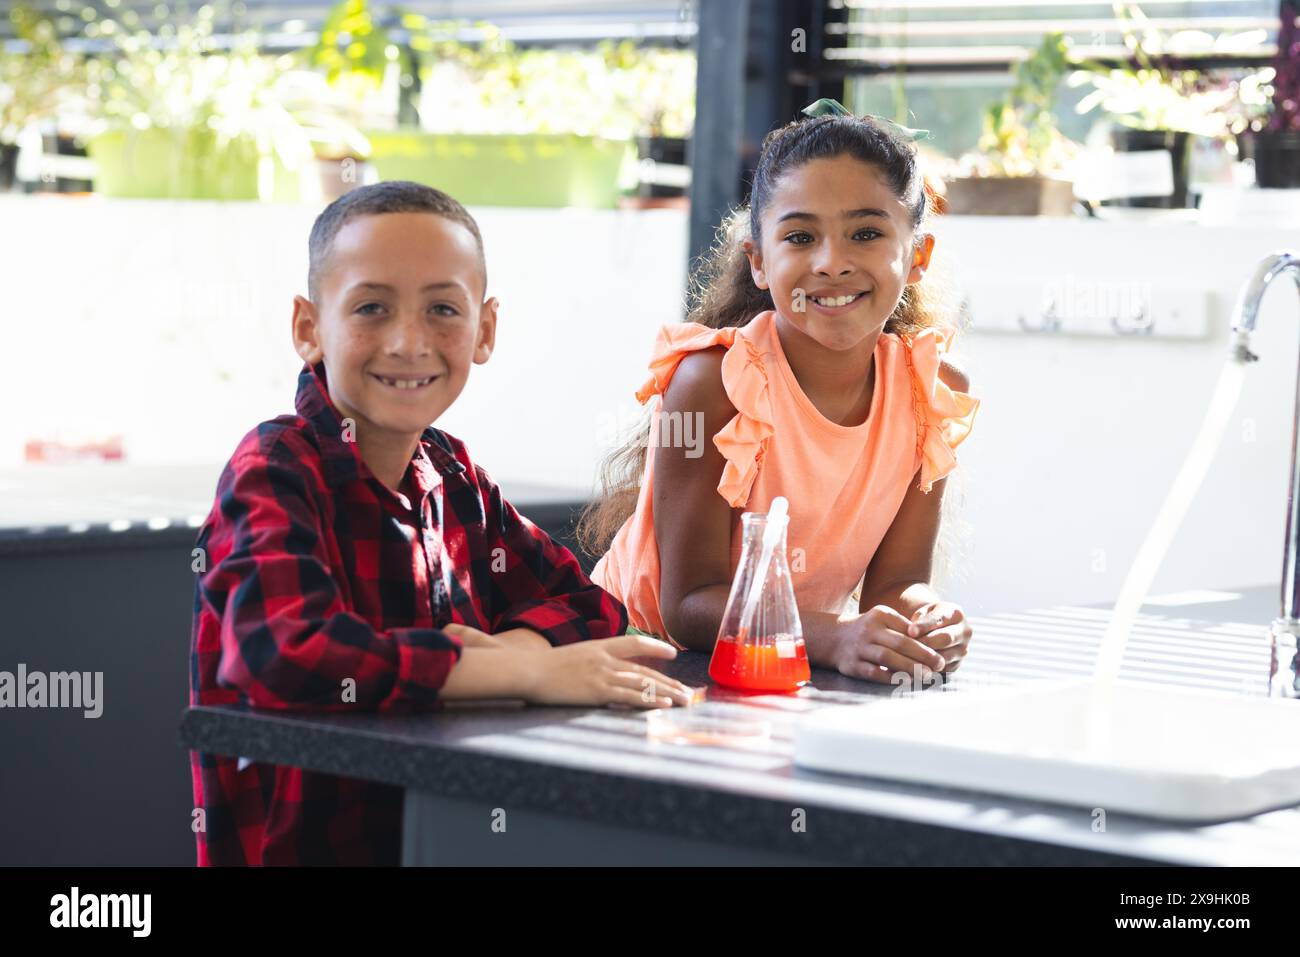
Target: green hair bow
{"points": [[827, 105]]}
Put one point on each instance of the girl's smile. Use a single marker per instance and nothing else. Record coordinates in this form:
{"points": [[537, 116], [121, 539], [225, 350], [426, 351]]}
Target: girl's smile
{"points": [[834, 303], [836, 250]]}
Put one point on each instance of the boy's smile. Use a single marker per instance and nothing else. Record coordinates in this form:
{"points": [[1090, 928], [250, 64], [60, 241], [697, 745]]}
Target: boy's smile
{"points": [[401, 319], [406, 385]]}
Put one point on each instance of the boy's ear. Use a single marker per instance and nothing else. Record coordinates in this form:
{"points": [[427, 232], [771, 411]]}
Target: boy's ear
{"points": [[487, 331], [306, 331], [755, 257], [920, 258]]}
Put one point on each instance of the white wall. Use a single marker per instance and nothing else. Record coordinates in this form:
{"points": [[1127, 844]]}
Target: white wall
{"points": [[1079, 438], [168, 322]]}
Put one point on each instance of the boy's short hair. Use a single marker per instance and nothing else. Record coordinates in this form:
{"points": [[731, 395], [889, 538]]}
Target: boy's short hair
{"points": [[395, 196]]}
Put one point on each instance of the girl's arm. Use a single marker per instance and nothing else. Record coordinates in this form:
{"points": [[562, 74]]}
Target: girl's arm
{"points": [[897, 586], [899, 572], [693, 522], [898, 576]]}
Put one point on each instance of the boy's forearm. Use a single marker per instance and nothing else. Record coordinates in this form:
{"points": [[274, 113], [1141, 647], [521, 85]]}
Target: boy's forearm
{"points": [[565, 615], [524, 638], [492, 673]]}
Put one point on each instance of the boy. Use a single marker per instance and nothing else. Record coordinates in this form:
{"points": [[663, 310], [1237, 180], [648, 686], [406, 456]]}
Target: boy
{"points": [[358, 560]]}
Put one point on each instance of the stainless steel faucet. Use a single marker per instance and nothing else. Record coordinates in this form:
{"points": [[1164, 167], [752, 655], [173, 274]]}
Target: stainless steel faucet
{"points": [[1284, 673]]}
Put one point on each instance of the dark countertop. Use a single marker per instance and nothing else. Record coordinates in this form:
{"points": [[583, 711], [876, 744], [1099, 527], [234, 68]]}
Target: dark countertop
{"points": [[597, 764]]}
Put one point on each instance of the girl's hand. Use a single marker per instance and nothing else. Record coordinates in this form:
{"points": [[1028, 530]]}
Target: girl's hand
{"points": [[875, 645], [942, 625], [600, 672]]}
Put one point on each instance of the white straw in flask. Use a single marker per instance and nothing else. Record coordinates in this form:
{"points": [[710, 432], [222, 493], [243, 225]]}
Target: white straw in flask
{"points": [[776, 518]]}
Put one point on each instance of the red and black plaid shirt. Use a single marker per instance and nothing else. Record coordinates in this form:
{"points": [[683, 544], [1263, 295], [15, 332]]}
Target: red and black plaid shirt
{"points": [[324, 590]]}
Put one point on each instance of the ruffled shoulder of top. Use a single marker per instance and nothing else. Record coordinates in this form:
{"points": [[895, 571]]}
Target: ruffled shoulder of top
{"points": [[672, 345], [744, 377], [944, 416]]}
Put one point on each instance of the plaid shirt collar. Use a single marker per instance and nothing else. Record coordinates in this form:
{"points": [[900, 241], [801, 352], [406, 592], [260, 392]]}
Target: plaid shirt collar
{"points": [[341, 459]]}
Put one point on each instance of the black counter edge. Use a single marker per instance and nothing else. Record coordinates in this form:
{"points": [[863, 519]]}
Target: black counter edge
{"points": [[607, 797]]}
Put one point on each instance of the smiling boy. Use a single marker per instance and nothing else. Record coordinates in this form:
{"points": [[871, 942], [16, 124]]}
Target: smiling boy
{"points": [[356, 559]]}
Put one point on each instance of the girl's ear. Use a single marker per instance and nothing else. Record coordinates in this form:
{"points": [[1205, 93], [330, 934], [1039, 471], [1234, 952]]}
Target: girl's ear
{"points": [[755, 257], [306, 331], [920, 258], [487, 331]]}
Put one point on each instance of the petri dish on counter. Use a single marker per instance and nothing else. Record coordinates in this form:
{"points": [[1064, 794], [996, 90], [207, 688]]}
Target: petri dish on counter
{"points": [[708, 723]]}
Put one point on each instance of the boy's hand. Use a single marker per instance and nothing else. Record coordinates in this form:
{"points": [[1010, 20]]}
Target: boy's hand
{"points": [[472, 637], [876, 644], [515, 637], [942, 625], [600, 672]]}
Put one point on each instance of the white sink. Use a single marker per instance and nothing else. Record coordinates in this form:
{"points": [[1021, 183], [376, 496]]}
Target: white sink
{"points": [[1183, 755]]}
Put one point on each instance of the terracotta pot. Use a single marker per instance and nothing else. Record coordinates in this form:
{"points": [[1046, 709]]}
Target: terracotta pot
{"points": [[1010, 196], [340, 174]]}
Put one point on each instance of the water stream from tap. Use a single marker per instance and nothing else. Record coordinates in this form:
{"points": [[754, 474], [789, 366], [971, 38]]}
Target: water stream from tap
{"points": [[1155, 546]]}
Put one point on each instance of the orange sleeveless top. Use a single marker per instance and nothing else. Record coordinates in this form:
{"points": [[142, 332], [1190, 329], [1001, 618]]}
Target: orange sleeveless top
{"points": [[844, 483]]}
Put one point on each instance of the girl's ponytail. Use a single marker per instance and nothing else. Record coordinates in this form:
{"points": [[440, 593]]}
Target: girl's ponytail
{"points": [[930, 302], [722, 293], [722, 290]]}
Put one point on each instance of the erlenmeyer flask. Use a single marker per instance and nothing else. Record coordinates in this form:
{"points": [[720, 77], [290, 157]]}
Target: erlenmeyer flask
{"points": [[765, 652]]}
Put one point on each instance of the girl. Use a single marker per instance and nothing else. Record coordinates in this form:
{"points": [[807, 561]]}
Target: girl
{"points": [[813, 359]]}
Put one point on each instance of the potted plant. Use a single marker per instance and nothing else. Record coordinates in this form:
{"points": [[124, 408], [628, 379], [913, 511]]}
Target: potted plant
{"points": [[32, 81], [1019, 165], [356, 53], [180, 117], [500, 126], [1274, 141], [656, 87], [1249, 110], [339, 150], [1163, 102], [163, 127]]}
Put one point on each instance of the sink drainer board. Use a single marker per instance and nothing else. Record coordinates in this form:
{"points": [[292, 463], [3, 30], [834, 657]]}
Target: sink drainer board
{"points": [[1141, 749]]}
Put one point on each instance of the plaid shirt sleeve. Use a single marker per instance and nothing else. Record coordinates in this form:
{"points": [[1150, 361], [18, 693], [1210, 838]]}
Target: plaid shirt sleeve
{"points": [[541, 586], [288, 639]]}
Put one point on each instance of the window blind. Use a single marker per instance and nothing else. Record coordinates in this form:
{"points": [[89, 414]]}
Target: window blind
{"points": [[926, 35], [521, 21]]}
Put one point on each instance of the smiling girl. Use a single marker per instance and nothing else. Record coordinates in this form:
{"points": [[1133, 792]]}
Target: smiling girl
{"points": [[814, 361]]}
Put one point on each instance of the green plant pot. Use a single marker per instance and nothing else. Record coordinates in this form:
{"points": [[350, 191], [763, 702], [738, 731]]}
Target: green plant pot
{"points": [[181, 164], [509, 170]]}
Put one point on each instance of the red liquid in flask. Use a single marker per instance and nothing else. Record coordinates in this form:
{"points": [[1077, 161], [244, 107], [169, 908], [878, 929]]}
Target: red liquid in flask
{"points": [[773, 666]]}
